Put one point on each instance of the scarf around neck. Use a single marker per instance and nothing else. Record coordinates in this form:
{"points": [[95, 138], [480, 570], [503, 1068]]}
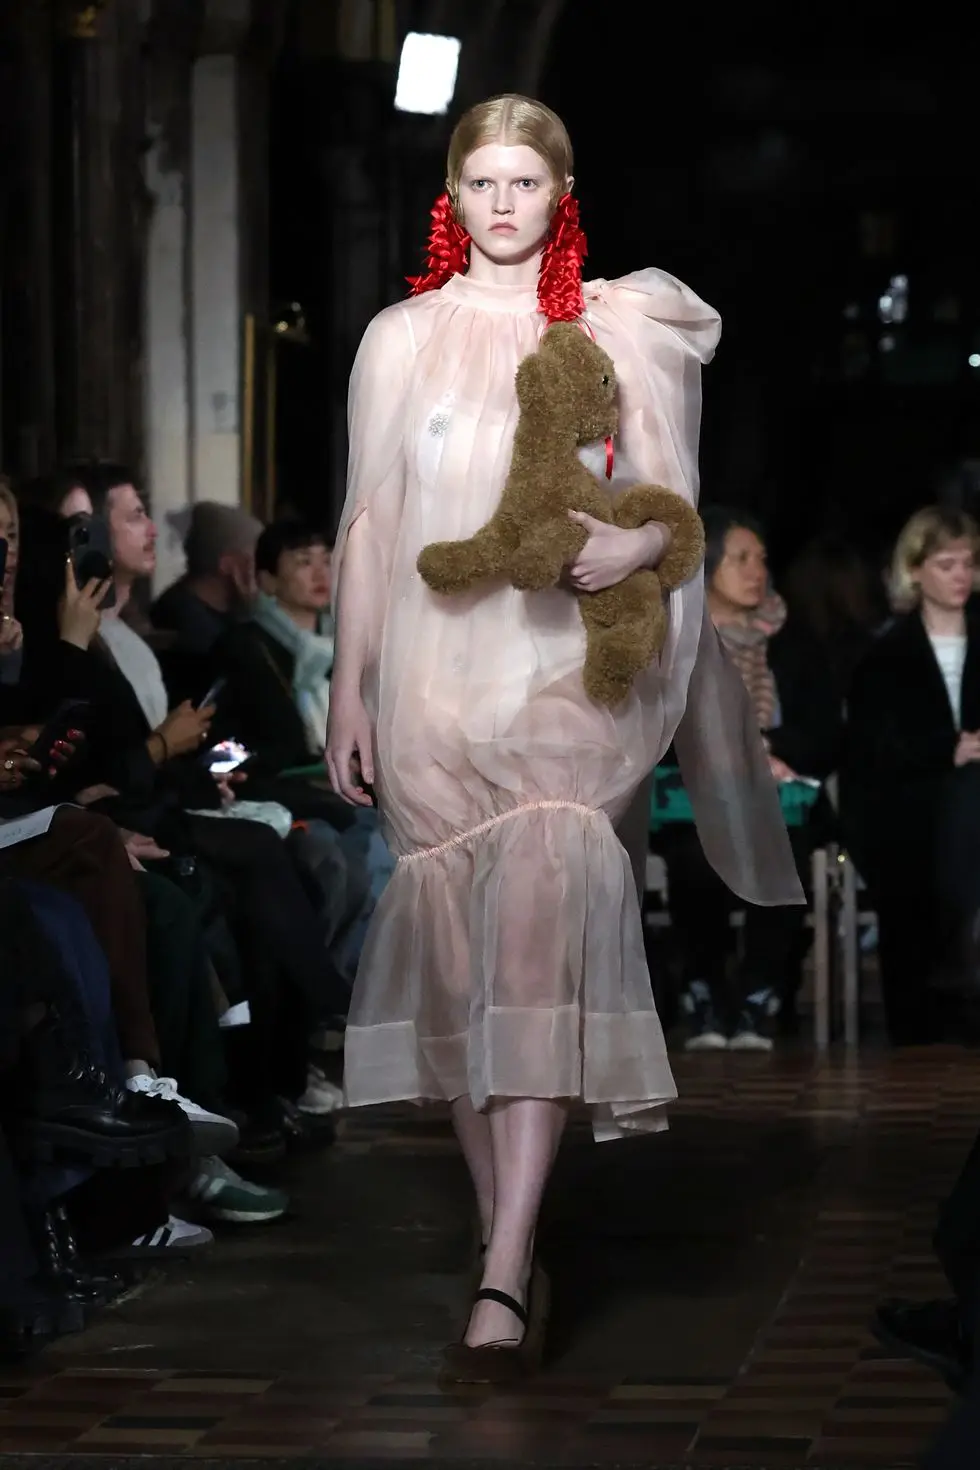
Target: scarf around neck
{"points": [[747, 645], [312, 655]]}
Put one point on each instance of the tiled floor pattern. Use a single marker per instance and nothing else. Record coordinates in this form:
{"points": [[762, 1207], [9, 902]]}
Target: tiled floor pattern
{"points": [[810, 1389]]}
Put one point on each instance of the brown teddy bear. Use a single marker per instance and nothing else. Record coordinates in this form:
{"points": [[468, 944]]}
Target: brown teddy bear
{"points": [[567, 396]]}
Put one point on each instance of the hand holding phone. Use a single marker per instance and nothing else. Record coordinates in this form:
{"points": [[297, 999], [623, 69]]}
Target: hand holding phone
{"points": [[226, 757], [90, 553]]}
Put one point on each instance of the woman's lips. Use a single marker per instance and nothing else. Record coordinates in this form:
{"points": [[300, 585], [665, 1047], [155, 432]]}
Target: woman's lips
{"points": [[503, 229]]}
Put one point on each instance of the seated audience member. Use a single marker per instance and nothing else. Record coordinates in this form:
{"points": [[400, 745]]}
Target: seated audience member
{"points": [[11, 635], [277, 664], [836, 596], [910, 777], [141, 759], [800, 720], [214, 594]]}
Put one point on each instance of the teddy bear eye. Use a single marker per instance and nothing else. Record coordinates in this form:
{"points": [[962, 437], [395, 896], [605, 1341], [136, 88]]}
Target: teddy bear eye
{"points": [[605, 380]]}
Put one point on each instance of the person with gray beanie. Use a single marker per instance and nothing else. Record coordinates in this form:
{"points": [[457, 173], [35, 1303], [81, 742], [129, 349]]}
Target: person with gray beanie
{"points": [[215, 592]]}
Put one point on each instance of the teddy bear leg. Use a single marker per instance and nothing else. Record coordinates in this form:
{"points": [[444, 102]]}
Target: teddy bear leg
{"points": [[626, 627], [544, 551], [642, 503]]}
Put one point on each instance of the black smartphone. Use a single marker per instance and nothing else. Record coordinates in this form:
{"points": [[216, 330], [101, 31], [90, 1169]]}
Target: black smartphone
{"points": [[90, 550], [70, 715], [212, 695]]}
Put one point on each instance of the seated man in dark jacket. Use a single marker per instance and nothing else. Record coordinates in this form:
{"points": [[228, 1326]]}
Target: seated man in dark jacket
{"points": [[275, 699]]}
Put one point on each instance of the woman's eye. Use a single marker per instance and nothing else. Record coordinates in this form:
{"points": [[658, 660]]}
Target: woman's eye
{"points": [[529, 183]]}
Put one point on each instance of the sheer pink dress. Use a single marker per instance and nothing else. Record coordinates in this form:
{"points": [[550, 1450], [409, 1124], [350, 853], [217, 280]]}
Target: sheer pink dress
{"points": [[506, 955]]}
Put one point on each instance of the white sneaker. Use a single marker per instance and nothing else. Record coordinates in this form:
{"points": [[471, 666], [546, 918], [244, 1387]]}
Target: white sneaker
{"points": [[707, 1040], [750, 1040], [213, 1134], [176, 1236], [321, 1095]]}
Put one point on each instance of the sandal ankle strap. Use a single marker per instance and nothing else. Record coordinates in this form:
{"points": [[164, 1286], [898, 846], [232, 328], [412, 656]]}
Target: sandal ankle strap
{"points": [[491, 1294]]}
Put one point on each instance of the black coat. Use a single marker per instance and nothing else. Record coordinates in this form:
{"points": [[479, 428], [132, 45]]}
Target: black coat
{"points": [[256, 704], [808, 737], [897, 772]]}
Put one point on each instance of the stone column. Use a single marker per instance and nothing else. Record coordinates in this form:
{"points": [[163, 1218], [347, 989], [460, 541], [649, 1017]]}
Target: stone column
{"points": [[216, 316]]}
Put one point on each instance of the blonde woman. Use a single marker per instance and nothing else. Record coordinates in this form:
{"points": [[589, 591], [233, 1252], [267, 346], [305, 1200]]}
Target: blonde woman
{"points": [[912, 757], [504, 970]]}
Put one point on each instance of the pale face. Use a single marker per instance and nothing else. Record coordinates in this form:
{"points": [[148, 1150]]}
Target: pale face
{"points": [[505, 198], [302, 579], [945, 578], [741, 576], [133, 534], [76, 503], [8, 533]]}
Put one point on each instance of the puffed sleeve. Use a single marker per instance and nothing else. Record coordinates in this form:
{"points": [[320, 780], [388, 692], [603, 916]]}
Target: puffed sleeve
{"points": [[660, 335], [376, 422]]}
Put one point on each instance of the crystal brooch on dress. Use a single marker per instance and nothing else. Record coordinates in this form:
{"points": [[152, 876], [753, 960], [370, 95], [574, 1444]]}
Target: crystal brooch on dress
{"points": [[439, 423]]}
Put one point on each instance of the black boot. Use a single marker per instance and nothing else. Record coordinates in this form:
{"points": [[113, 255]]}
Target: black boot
{"points": [[32, 1315], [59, 1274], [64, 1105], [106, 1285]]}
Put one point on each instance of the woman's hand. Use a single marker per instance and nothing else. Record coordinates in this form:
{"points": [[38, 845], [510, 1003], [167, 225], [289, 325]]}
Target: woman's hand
{"points": [[780, 770], [611, 553], [185, 729], [11, 634], [15, 765], [225, 781], [79, 609], [967, 748], [141, 849], [348, 755]]}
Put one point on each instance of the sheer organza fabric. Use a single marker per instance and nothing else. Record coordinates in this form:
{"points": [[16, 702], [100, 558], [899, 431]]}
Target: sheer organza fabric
{"points": [[506, 956]]}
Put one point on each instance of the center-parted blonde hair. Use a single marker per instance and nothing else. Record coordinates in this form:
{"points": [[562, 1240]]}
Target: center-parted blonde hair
{"points": [[515, 121], [927, 532]]}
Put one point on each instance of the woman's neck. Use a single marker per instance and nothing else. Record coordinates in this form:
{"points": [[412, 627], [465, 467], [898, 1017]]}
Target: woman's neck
{"points": [[726, 612], [943, 622], [304, 617], [513, 273]]}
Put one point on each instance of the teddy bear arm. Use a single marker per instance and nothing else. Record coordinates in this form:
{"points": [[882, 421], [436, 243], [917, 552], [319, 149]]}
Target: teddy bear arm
{"points": [[456, 566], [642, 503]]}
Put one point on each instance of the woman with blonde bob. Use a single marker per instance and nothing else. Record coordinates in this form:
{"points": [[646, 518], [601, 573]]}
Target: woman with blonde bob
{"points": [[912, 762], [504, 973]]}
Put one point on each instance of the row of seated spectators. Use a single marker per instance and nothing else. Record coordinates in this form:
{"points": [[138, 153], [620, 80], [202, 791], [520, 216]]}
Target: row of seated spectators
{"points": [[178, 937], [868, 688]]}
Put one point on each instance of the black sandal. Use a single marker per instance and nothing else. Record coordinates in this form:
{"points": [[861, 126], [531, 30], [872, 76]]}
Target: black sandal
{"points": [[506, 1361]]}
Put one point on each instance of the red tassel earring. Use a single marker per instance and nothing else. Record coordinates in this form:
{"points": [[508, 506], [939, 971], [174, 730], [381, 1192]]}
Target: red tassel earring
{"points": [[447, 252], [560, 279]]}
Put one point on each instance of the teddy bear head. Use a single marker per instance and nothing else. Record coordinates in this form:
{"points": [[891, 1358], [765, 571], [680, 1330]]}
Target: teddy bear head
{"points": [[569, 384]]}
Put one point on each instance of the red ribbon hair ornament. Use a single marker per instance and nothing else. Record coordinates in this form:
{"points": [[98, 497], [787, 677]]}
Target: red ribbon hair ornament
{"points": [[559, 280]]}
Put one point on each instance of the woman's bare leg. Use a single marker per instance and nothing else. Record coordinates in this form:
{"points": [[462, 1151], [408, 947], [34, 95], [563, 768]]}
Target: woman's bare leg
{"points": [[525, 1134], [473, 1132]]}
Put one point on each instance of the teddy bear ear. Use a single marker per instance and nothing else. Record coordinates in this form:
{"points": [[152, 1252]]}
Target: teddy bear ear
{"points": [[535, 378]]}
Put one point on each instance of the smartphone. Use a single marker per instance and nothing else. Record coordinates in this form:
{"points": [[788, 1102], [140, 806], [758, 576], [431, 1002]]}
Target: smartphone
{"points": [[70, 715], [90, 550], [213, 693], [3, 561], [226, 756]]}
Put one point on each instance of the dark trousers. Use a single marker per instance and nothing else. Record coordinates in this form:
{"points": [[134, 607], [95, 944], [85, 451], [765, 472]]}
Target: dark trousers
{"points": [[700, 910], [83, 855], [181, 993], [957, 1244]]}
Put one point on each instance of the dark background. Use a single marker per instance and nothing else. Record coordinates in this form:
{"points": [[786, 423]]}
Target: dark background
{"points": [[787, 178]]}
